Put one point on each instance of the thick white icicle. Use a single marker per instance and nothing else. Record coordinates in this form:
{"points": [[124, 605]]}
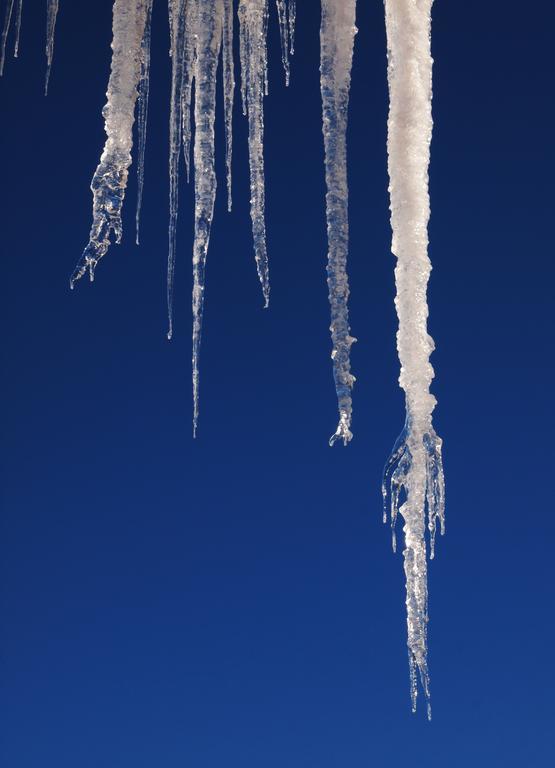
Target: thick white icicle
{"points": [[110, 179], [144, 87], [337, 35], [229, 90], [5, 31], [414, 469], [51, 15], [253, 18], [209, 39]]}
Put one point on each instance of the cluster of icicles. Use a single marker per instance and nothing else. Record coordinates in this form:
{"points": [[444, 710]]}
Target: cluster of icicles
{"points": [[199, 31]]}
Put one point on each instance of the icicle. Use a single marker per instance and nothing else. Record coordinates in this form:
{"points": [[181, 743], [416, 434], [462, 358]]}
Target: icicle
{"points": [[284, 35], [189, 49], [17, 27], [229, 90], [292, 20], [110, 179], [5, 31], [177, 10], [51, 14], [414, 470], [253, 18], [211, 15], [336, 50], [144, 87]]}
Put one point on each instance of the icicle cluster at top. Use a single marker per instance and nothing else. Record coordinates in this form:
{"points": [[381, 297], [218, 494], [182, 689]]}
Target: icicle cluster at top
{"points": [[110, 179], [414, 470], [337, 35], [51, 16]]}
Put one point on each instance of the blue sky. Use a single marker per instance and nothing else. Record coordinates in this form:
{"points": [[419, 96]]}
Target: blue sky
{"points": [[234, 600]]}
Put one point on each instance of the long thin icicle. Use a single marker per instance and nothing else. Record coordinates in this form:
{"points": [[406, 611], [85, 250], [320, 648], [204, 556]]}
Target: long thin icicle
{"points": [[209, 31], [414, 471], [18, 15], [229, 90], [284, 35], [144, 88], [5, 31], [292, 15], [51, 15], [253, 18], [110, 179], [337, 35], [176, 9]]}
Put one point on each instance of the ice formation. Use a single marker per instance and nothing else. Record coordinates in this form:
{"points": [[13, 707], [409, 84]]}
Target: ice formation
{"points": [[253, 20], [5, 32], [110, 179], [51, 16], [413, 476], [337, 35], [413, 482]]}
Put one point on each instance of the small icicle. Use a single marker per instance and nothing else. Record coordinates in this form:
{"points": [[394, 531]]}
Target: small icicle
{"points": [[211, 15], [292, 14], [229, 90], [51, 14], [5, 31], [110, 179], [337, 35], [18, 14], [253, 18], [144, 87], [284, 35], [414, 473]]}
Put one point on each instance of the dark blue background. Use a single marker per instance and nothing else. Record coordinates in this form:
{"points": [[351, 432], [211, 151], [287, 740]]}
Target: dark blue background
{"points": [[234, 601]]}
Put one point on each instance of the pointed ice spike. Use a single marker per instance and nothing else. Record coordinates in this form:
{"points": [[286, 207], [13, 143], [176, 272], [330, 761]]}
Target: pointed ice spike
{"points": [[337, 33], [17, 27], [110, 179], [5, 31], [253, 19], [51, 15], [415, 467], [211, 15], [284, 35], [292, 17], [144, 87]]}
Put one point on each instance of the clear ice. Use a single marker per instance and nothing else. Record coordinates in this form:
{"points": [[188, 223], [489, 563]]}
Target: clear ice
{"points": [[51, 16], [253, 20], [413, 476], [110, 179], [337, 35], [142, 109]]}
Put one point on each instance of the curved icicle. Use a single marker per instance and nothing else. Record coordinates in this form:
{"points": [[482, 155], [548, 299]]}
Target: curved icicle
{"points": [[413, 477], [110, 179], [51, 15], [253, 19], [209, 40], [337, 35]]}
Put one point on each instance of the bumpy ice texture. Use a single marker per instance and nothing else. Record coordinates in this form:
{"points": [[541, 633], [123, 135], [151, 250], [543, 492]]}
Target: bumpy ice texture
{"points": [[110, 179], [253, 19], [413, 476], [337, 35]]}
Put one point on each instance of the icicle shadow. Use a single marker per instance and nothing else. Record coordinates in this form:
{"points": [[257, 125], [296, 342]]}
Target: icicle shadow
{"points": [[413, 485]]}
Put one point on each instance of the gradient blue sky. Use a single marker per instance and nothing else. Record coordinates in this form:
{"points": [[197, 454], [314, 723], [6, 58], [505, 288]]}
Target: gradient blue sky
{"points": [[234, 601]]}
